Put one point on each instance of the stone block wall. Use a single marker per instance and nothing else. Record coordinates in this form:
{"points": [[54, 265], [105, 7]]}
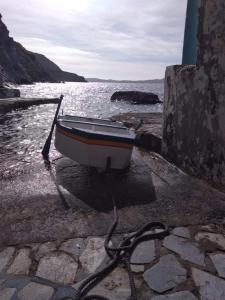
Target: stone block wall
{"points": [[194, 102]]}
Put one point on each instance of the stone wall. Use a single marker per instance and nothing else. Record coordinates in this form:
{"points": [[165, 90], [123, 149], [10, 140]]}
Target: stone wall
{"points": [[194, 104]]}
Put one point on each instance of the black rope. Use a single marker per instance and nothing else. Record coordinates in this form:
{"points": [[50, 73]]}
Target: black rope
{"points": [[120, 254]]}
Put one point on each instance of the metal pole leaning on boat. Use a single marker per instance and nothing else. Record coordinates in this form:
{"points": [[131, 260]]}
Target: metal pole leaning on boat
{"points": [[46, 148]]}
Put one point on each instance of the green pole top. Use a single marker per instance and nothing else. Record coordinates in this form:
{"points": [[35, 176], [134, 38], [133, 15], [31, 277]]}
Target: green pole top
{"points": [[190, 33]]}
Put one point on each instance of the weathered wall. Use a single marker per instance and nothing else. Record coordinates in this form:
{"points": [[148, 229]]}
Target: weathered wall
{"points": [[194, 104]]}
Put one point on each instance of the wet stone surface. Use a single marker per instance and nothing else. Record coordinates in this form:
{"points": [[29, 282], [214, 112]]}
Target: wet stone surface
{"points": [[7, 293], [151, 189], [166, 274], [137, 268], [184, 295], [60, 268], [144, 253], [215, 238], [5, 257], [36, 291], [93, 255], [45, 249], [21, 263], [182, 232], [211, 287], [115, 286], [187, 250], [219, 263], [74, 247]]}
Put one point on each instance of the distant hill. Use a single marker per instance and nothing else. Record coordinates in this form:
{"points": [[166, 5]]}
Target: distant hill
{"points": [[23, 66], [55, 72], [125, 81]]}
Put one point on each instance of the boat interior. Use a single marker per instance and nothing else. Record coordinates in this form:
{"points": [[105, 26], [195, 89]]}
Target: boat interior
{"points": [[96, 125]]}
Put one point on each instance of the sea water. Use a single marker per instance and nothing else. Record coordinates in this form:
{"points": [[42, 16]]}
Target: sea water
{"points": [[23, 132]]}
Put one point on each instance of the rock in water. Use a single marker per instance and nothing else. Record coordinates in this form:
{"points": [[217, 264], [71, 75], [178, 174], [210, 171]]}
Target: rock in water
{"points": [[136, 97]]}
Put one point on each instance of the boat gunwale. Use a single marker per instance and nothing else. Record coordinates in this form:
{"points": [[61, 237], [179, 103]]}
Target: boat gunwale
{"points": [[60, 117], [96, 124], [96, 136]]}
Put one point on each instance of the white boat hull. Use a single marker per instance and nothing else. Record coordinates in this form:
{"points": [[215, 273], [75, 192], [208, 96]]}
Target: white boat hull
{"points": [[93, 152]]}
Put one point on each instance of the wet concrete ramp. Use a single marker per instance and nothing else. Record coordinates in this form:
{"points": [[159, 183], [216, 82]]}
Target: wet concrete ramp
{"points": [[32, 204], [86, 187]]}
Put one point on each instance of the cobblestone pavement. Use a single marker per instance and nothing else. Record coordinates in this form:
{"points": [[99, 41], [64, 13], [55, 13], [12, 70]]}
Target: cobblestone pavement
{"points": [[189, 264]]}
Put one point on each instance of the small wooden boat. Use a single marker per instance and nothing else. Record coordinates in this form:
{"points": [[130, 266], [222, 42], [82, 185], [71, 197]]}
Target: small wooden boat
{"points": [[94, 142]]}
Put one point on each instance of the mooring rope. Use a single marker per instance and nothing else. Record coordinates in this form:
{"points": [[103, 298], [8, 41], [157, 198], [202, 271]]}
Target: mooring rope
{"points": [[120, 255]]}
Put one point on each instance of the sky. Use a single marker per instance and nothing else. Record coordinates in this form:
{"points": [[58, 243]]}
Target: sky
{"points": [[116, 39]]}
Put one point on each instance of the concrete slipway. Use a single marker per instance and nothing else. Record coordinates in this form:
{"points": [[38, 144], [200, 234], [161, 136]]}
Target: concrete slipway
{"points": [[32, 204], [54, 220]]}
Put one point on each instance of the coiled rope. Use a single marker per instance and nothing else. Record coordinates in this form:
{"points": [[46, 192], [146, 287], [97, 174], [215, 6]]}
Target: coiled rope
{"points": [[120, 255]]}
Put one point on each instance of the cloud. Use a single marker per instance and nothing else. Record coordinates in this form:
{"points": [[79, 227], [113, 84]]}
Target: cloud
{"points": [[133, 39]]}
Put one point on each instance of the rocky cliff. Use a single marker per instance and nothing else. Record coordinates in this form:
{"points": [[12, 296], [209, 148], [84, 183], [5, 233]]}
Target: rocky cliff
{"points": [[23, 66]]}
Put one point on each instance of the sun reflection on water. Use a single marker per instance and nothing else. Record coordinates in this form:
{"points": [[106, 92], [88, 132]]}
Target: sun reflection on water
{"points": [[23, 132]]}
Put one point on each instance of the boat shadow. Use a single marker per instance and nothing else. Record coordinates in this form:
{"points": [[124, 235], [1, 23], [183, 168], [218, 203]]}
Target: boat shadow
{"points": [[86, 189]]}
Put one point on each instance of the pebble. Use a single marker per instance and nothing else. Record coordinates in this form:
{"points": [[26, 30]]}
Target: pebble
{"points": [[35, 291], [144, 253], [5, 257], [166, 274], [57, 267], [219, 263], [93, 255], [187, 250], [211, 287], [21, 263]]}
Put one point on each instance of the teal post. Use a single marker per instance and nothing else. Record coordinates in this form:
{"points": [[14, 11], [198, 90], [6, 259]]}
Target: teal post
{"points": [[190, 34]]}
